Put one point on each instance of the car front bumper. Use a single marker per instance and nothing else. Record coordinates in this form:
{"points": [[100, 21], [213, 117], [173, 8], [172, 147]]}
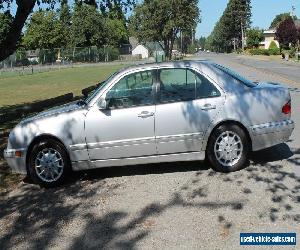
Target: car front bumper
{"points": [[270, 134], [16, 159]]}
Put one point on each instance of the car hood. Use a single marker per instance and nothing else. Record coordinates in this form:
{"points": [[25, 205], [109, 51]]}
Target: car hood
{"points": [[66, 108]]}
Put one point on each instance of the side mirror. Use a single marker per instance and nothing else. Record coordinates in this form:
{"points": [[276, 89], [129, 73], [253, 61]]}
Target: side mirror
{"points": [[103, 104]]}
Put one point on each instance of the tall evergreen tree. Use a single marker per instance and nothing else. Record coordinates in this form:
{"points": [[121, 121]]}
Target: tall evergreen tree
{"points": [[236, 19]]}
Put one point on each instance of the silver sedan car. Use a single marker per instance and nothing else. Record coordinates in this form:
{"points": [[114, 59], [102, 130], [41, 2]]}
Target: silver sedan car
{"points": [[173, 111]]}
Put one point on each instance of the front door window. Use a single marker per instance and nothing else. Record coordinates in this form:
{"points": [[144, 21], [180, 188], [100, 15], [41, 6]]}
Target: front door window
{"points": [[132, 91]]}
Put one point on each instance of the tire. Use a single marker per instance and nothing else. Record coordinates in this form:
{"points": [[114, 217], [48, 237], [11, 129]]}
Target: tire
{"points": [[228, 155], [48, 164]]}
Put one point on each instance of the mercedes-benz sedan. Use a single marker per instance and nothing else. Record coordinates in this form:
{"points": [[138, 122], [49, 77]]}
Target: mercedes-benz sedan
{"points": [[174, 111]]}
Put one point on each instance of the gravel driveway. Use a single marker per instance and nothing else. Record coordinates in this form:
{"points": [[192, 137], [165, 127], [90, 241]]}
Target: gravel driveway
{"points": [[163, 206]]}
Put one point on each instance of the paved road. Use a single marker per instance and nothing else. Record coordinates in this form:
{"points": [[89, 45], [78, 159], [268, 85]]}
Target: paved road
{"points": [[166, 206]]}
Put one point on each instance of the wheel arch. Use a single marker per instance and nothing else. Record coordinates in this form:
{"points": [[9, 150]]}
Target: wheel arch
{"points": [[38, 139], [229, 122]]}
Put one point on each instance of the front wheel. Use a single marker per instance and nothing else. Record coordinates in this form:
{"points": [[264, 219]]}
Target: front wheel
{"points": [[228, 148], [48, 163]]}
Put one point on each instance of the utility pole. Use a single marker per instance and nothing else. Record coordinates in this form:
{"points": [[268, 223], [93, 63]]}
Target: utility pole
{"points": [[243, 45], [193, 36], [181, 41], [293, 11], [298, 42], [234, 45]]}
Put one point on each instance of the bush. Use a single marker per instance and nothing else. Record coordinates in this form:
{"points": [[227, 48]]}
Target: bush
{"points": [[239, 51], [191, 49], [273, 45], [274, 51], [259, 52], [265, 52], [293, 52], [22, 62]]}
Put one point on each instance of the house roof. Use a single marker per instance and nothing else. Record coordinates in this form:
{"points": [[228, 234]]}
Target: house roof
{"points": [[154, 46], [133, 42], [151, 46], [142, 45], [270, 31]]}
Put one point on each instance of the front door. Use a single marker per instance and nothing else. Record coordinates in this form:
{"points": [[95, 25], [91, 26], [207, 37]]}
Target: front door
{"points": [[126, 128], [187, 104]]}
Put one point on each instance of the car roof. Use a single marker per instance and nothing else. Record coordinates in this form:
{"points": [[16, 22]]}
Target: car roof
{"points": [[179, 64]]}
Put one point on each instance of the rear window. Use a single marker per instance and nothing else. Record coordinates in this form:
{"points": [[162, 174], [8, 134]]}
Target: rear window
{"points": [[236, 76]]}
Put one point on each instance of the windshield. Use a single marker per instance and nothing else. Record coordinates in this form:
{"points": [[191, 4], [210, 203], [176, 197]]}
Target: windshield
{"points": [[93, 93], [236, 76]]}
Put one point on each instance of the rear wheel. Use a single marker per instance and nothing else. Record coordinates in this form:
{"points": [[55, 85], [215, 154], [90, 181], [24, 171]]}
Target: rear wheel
{"points": [[228, 148], [48, 163]]}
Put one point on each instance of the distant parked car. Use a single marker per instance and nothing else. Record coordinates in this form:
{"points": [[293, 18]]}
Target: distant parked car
{"points": [[174, 111]]}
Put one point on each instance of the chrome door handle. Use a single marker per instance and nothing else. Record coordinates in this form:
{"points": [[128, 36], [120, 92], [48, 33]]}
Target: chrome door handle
{"points": [[208, 107], [145, 114]]}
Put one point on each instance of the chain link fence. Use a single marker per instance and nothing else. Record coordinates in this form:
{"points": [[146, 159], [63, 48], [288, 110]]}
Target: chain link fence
{"points": [[24, 62], [40, 60], [61, 55]]}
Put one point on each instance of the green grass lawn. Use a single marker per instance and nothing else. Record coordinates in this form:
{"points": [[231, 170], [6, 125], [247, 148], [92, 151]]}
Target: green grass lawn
{"points": [[40, 86]]}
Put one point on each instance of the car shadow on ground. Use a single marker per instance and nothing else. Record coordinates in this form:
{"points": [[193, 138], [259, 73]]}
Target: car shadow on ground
{"points": [[147, 169], [272, 154], [36, 217], [276, 153]]}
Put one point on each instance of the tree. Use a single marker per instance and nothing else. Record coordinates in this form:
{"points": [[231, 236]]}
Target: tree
{"points": [[254, 37], [162, 21], [201, 42], [118, 7], [5, 23], [116, 24], [117, 33], [24, 8], [9, 42], [279, 18], [65, 22], [88, 27], [43, 31], [298, 34], [286, 33], [229, 29]]}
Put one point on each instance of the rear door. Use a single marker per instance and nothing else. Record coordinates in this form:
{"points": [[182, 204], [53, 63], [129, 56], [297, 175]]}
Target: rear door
{"points": [[187, 103]]}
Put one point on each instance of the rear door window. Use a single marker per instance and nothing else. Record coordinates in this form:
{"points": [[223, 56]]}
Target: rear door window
{"points": [[182, 84]]}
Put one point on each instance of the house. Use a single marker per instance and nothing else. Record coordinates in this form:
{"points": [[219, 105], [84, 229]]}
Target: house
{"points": [[155, 49], [142, 51], [269, 36], [146, 50], [33, 55]]}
